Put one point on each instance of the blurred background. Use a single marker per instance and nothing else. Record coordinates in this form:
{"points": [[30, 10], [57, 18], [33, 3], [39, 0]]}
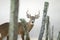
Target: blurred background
{"points": [[33, 6]]}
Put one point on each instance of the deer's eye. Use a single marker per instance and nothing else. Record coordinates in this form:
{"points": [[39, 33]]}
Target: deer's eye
{"points": [[32, 21]]}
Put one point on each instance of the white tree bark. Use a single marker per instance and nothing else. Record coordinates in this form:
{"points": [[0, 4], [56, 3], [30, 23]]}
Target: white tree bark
{"points": [[43, 20], [47, 27], [13, 28]]}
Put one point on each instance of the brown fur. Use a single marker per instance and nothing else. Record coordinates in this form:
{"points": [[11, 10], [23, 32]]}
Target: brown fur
{"points": [[4, 28]]}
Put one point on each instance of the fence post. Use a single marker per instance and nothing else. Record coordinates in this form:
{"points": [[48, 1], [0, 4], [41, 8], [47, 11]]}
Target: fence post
{"points": [[13, 27], [43, 20]]}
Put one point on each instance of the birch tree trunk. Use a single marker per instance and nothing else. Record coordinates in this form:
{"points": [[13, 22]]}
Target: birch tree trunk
{"points": [[43, 20], [58, 38], [13, 28], [47, 27]]}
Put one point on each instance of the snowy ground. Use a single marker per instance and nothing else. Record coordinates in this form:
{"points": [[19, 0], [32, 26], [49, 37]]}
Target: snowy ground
{"points": [[19, 38]]}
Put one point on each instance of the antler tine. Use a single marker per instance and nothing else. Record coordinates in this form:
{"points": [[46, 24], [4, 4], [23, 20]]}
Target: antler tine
{"points": [[38, 13], [37, 16], [28, 15]]}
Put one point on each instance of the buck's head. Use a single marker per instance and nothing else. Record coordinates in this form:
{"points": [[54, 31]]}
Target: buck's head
{"points": [[32, 18]]}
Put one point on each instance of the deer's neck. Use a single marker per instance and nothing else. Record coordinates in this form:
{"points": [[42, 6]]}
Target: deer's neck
{"points": [[30, 25]]}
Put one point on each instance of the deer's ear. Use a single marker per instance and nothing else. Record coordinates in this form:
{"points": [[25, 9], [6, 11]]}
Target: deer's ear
{"points": [[37, 16], [28, 15]]}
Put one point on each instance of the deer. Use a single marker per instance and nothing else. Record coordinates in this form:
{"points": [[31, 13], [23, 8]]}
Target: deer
{"points": [[4, 28]]}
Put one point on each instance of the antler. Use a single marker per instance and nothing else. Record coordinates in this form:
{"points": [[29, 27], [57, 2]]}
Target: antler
{"points": [[28, 14], [37, 16]]}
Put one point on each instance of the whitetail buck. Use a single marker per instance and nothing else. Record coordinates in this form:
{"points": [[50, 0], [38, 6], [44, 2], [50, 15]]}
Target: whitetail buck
{"points": [[5, 27]]}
